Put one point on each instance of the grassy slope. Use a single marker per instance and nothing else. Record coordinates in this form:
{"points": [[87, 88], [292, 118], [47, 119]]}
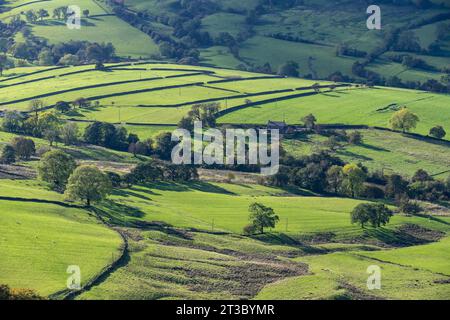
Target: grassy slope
{"points": [[31, 230], [127, 40], [383, 150], [358, 106]]}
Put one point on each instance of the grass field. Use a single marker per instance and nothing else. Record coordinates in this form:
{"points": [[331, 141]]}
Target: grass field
{"points": [[359, 106], [30, 230], [382, 150], [344, 276]]}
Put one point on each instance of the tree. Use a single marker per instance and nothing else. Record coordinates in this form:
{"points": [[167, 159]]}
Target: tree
{"points": [[404, 120], [396, 186], [309, 121], [262, 217], [23, 147], [289, 69], [164, 145], [8, 155], [355, 138], [86, 13], [88, 183], [13, 121], [354, 178], [81, 103], [62, 106], [377, 214], [42, 13], [421, 176], [335, 177], [55, 168], [35, 105], [69, 133], [52, 135], [438, 132]]}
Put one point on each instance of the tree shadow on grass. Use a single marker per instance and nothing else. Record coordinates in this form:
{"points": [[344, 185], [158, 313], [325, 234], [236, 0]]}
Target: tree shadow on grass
{"points": [[126, 193], [347, 153], [188, 186], [371, 147], [394, 238], [284, 239]]}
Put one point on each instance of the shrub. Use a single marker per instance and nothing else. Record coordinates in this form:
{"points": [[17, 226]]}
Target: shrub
{"points": [[250, 229]]}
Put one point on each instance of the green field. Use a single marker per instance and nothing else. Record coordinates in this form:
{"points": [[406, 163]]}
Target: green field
{"points": [[383, 150], [187, 240], [357, 107], [31, 230]]}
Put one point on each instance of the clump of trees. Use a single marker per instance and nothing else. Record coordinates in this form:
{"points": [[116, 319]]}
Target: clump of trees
{"points": [[260, 217], [206, 113], [375, 214], [153, 171]]}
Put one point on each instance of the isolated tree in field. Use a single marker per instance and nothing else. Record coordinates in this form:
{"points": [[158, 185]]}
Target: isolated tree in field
{"points": [[55, 168], [354, 178], [262, 217], [89, 184], [309, 121], [81, 103], [377, 214], [23, 147], [404, 120], [289, 69], [86, 13], [8, 155], [438, 132], [62, 106]]}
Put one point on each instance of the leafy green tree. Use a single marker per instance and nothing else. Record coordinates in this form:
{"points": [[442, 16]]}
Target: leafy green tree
{"points": [[309, 121], [404, 120], [23, 147], [335, 178], [35, 105], [262, 217], [69, 133], [354, 178], [89, 184], [164, 146], [377, 214], [62, 106], [55, 168], [8, 155], [289, 69], [13, 121], [42, 13], [438, 132]]}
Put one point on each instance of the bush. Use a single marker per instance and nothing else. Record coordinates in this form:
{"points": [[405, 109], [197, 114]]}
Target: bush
{"points": [[250, 229]]}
